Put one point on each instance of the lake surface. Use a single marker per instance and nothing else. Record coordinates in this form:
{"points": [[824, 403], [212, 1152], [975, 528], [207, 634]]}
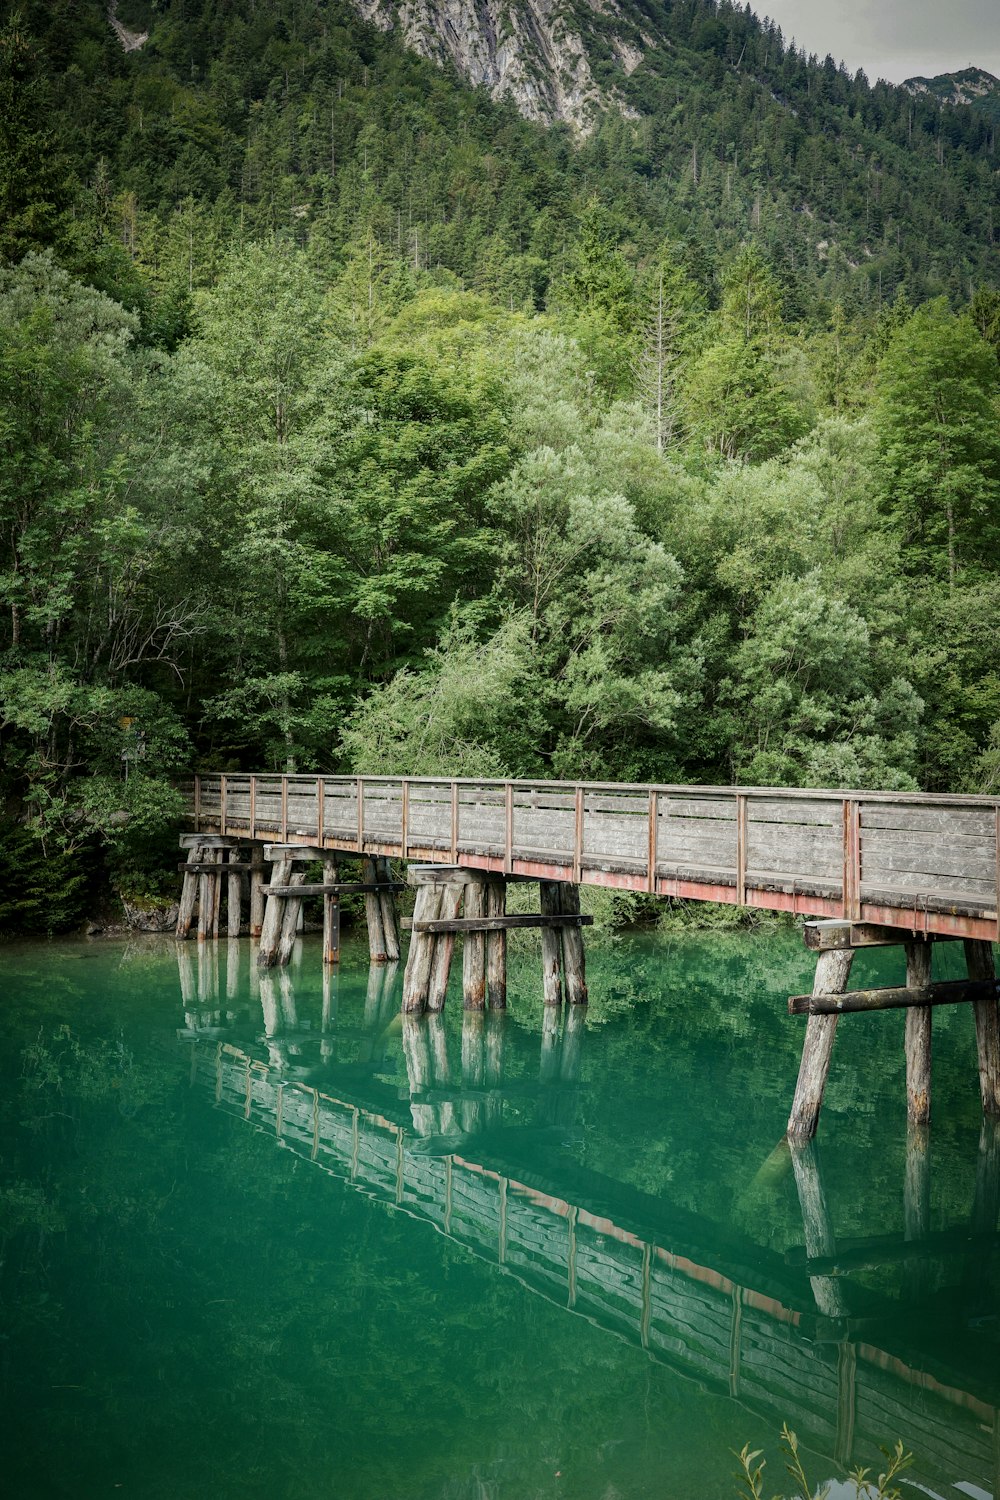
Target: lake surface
{"points": [[260, 1238]]}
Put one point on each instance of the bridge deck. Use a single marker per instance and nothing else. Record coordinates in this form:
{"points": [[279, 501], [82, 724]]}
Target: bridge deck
{"points": [[915, 861]]}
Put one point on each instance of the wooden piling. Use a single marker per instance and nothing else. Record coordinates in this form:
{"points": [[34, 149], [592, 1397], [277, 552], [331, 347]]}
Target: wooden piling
{"points": [[496, 945], [189, 894], [444, 948], [572, 947], [331, 915], [474, 949], [234, 893], [918, 1037], [257, 891], [218, 856], [551, 944], [979, 961], [373, 914], [416, 979], [833, 969], [270, 934], [390, 914], [290, 919]]}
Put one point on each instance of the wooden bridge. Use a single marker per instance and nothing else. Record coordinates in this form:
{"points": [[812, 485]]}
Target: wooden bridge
{"points": [[774, 1342], [921, 863], [877, 868]]}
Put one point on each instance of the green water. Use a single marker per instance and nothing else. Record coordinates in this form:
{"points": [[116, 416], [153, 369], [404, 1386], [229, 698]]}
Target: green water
{"points": [[267, 1241]]}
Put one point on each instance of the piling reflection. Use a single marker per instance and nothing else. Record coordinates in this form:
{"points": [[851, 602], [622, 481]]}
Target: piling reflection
{"points": [[434, 1120]]}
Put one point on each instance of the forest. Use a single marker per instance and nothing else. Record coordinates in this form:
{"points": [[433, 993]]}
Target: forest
{"points": [[350, 422]]}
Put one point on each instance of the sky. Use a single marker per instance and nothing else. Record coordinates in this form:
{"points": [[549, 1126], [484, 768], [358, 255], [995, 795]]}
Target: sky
{"points": [[894, 39]]}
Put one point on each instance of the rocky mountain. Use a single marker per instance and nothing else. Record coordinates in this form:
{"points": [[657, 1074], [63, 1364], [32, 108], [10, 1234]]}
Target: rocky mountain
{"points": [[972, 86], [537, 53]]}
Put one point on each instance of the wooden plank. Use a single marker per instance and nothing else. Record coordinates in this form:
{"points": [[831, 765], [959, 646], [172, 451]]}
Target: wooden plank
{"points": [[940, 821], [945, 887], [890, 997], [500, 924], [741, 850], [338, 888], [932, 863]]}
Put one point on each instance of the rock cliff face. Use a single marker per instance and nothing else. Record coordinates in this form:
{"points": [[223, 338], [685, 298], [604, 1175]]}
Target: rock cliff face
{"points": [[969, 86], [533, 52]]}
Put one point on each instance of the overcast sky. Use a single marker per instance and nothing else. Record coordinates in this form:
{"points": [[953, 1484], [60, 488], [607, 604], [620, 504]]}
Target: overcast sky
{"points": [[894, 39]]}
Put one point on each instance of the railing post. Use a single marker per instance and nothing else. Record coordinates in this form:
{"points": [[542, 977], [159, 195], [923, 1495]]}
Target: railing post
{"points": [[852, 860], [320, 812], [578, 836], [223, 789], [284, 809], [651, 849], [454, 822], [997, 817], [197, 804], [508, 861], [361, 814], [741, 849], [405, 831], [253, 807]]}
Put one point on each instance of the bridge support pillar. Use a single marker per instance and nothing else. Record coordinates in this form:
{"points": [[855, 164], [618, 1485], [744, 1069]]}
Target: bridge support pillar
{"points": [[835, 943], [208, 856], [444, 891]]}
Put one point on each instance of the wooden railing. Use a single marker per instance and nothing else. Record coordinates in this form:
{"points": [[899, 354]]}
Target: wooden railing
{"points": [[920, 862]]}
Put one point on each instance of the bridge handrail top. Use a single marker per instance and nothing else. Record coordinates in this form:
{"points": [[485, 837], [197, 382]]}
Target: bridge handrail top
{"points": [[675, 789]]}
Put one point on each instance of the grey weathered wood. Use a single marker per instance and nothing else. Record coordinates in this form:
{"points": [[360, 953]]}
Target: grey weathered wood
{"points": [[390, 914], [189, 892], [893, 997], [207, 841], [274, 853], [373, 915], [474, 949], [207, 886], [832, 972], [444, 948], [574, 968], [234, 894], [551, 944], [331, 912], [463, 925], [290, 920], [416, 978], [337, 887], [257, 868], [439, 875], [972, 822], [496, 944], [231, 864], [918, 1036], [270, 933], [979, 962]]}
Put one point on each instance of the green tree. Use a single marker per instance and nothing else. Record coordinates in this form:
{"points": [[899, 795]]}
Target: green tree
{"points": [[936, 416]]}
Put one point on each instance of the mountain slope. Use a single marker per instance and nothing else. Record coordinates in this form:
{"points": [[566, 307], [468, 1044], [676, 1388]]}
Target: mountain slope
{"points": [[691, 121]]}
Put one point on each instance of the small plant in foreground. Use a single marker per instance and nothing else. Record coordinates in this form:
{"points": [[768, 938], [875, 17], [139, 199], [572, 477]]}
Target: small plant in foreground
{"points": [[752, 1466]]}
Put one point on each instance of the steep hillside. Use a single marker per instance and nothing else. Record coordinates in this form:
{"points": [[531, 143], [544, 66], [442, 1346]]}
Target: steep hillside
{"points": [[690, 120]]}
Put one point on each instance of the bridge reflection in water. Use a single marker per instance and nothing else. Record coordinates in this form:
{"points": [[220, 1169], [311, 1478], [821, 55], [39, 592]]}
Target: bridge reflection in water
{"points": [[773, 1332]]}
